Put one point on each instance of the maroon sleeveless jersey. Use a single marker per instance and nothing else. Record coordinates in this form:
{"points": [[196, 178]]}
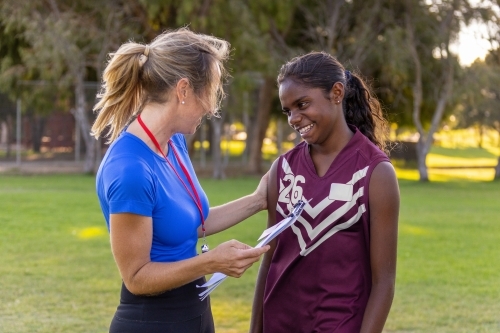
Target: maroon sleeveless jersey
{"points": [[320, 276]]}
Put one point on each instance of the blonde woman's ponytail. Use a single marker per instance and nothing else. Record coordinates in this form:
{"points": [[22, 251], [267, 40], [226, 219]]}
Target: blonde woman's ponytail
{"points": [[137, 75], [121, 92]]}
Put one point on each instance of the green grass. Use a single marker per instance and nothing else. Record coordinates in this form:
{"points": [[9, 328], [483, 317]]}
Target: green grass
{"points": [[57, 273], [448, 260]]}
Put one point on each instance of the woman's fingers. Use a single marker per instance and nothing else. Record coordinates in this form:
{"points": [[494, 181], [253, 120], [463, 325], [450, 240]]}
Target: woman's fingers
{"points": [[235, 257]]}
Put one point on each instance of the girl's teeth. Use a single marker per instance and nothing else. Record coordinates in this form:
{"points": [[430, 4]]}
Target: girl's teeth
{"points": [[305, 129]]}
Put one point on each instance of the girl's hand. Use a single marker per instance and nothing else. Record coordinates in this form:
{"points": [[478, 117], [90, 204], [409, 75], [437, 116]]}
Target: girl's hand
{"points": [[261, 191]]}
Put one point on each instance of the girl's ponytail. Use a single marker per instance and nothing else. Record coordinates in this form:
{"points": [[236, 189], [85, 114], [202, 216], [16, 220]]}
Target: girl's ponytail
{"points": [[363, 110]]}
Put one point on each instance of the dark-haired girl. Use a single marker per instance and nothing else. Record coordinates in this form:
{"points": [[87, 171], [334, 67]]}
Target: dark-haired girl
{"points": [[333, 270]]}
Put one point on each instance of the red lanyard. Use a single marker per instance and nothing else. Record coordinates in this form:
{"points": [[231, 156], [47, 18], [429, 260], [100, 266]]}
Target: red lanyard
{"points": [[195, 197]]}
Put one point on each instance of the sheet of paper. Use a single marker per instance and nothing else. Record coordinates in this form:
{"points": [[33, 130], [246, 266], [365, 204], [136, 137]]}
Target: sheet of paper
{"points": [[216, 277], [270, 230], [267, 236]]}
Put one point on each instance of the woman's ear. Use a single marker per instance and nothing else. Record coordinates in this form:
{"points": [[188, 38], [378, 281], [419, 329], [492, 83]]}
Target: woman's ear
{"points": [[182, 88], [337, 93]]}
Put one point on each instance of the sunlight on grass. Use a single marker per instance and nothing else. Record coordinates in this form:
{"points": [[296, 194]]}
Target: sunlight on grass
{"points": [[413, 230], [466, 162], [231, 316], [236, 148], [445, 175], [434, 160], [493, 150], [90, 232], [407, 174]]}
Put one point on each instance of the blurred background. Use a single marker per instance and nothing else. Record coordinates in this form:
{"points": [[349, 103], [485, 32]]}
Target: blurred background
{"points": [[434, 64]]}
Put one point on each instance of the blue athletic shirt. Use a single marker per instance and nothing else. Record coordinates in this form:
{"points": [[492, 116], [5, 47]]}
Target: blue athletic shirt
{"points": [[132, 178]]}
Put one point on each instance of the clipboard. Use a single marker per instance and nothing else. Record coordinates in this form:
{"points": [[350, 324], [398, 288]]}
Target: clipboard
{"points": [[267, 236]]}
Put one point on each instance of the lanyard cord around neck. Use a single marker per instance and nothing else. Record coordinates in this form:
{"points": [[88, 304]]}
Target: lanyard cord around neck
{"points": [[195, 197]]}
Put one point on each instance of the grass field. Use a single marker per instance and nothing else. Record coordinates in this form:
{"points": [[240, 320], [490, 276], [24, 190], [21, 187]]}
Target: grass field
{"points": [[57, 273]]}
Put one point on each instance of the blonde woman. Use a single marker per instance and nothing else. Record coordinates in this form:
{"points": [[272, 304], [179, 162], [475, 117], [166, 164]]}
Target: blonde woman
{"points": [[154, 206]]}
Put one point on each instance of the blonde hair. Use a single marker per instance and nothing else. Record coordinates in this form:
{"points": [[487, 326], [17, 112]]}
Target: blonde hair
{"points": [[138, 74]]}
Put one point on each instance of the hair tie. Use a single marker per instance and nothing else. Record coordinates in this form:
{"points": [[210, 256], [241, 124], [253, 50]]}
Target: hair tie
{"points": [[347, 76], [144, 56]]}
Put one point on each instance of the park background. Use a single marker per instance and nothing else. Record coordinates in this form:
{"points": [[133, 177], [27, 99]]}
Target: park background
{"points": [[56, 270]]}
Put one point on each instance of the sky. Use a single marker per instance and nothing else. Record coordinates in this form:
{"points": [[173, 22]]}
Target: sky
{"points": [[470, 45]]}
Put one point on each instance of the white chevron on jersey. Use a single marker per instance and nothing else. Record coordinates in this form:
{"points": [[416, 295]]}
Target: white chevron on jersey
{"points": [[286, 167], [339, 212], [322, 205], [305, 251], [314, 211], [280, 210]]}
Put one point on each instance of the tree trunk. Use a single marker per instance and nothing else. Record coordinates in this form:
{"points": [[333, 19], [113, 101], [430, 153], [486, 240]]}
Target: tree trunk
{"points": [[190, 140], [218, 168], [421, 157], [279, 135], [37, 128], [98, 154], [10, 135], [266, 92], [480, 133], [203, 151], [249, 119], [425, 139], [82, 121], [497, 168]]}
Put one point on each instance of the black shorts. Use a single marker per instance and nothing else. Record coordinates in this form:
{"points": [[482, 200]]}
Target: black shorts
{"points": [[174, 311]]}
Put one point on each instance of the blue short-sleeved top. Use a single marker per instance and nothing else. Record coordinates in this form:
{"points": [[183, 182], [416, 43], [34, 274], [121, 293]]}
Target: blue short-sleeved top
{"points": [[132, 178]]}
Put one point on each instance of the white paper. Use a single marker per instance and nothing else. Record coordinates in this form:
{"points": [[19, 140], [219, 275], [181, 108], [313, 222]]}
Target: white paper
{"points": [[214, 279], [267, 236]]}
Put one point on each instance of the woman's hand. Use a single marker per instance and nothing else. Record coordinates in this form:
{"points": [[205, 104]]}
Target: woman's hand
{"points": [[233, 258]]}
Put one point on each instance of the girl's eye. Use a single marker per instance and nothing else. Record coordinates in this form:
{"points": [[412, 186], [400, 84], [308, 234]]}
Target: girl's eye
{"points": [[302, 105]]}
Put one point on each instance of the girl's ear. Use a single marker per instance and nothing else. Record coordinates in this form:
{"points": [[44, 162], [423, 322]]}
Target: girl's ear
{"points": [[337, 92]]}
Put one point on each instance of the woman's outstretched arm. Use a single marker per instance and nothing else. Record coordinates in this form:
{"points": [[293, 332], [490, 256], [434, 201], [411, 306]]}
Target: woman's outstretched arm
{"points": [[231, 213]]}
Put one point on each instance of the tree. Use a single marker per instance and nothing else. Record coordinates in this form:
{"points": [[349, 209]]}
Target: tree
{"points": [[66, 44], [367, 37], [257, 31], [440, 19], [491, 15], [480, 96]]}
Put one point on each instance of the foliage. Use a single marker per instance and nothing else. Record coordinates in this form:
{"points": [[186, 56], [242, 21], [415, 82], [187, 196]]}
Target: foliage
{"points": [[480, 96], [55, 41]]}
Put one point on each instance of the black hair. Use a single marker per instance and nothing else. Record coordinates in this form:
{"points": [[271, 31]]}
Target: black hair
{"points": [[361, 107]]}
